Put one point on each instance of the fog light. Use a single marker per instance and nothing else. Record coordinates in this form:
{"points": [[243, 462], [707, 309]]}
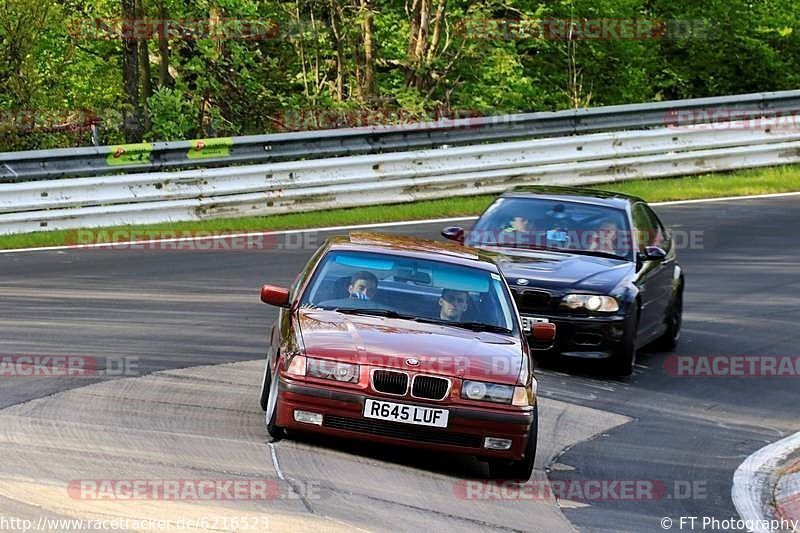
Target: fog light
{"points": [[493, 443], [308, 418]]}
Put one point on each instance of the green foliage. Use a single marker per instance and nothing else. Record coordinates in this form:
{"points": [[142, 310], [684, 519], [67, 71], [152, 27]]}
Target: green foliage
{"points": [[171, 115], [235, 86]]}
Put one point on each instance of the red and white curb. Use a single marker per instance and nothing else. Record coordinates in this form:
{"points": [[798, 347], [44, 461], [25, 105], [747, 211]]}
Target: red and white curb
{"points": [[787, 494], [758, 480]]}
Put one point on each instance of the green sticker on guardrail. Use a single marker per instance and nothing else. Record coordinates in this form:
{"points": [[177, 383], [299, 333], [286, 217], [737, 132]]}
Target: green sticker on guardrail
{"points": [[205, 148], [129, 154]]}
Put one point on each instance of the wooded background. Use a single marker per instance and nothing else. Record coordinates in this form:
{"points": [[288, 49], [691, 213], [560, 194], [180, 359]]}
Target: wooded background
{"points": [[328, 63]]}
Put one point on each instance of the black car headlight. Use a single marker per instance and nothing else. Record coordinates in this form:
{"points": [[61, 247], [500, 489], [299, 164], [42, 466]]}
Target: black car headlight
{"points": [[324, 369], [495, 392], [591, 302]]}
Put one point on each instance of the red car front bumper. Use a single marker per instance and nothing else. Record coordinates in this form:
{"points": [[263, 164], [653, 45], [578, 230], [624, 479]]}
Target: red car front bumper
{"points": [[343, 416]]}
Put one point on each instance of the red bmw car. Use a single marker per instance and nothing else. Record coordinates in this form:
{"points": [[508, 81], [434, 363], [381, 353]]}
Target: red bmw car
{"points": [[408, 342]]}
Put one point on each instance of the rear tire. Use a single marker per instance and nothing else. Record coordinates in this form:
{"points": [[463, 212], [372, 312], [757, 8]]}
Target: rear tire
{"points": [[624, 360], [522, 469], [269, 402], [669, 340]]}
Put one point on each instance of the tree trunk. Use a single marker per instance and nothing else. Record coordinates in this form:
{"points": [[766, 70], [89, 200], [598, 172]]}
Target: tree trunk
{"points": [[132, 125], [368, 71], [301, 46], [144, 56], [436, 35], [413, 32], [419, 47], [164, 77], [334, 16], [422, 36]]}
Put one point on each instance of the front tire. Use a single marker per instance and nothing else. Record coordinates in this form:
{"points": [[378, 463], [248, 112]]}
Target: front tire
{"points": [[522, 469], [269, 403], [669, 340], [624, 360], [265, 383]]}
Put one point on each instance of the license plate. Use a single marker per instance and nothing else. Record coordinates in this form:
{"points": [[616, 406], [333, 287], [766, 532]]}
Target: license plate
{"points": [[405, 413], [529, 321]]}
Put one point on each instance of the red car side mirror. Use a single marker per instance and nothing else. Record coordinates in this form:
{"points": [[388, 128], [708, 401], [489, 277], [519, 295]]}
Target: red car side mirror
{"points": [[543, 332], [277, 296]]}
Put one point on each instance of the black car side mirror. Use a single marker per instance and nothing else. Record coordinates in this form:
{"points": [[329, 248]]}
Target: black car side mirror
{"points": [[653, 253], [454, 233]]}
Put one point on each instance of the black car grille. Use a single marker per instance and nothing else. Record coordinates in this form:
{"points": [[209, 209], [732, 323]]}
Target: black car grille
{"points": [[402, 431], [390, 382], [532, 300], [429, 387]]}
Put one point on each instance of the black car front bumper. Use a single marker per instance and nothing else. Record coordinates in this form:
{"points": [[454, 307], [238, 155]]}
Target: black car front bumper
{"points": [[588, 337]]}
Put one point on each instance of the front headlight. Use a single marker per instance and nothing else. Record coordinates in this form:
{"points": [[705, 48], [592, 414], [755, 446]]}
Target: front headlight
{"points": [[324, 369], [591, 302], [487, 392]]}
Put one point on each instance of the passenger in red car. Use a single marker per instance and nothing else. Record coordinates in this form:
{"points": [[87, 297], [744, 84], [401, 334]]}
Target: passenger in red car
{"points": [[362, 285]]}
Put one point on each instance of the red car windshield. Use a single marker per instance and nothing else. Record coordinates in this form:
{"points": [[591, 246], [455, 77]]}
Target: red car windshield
{"points": [[402, 287]]}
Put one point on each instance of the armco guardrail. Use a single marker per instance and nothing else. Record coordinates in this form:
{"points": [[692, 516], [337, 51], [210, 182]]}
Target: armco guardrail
{"points": [[388, 178], [145, 157]]}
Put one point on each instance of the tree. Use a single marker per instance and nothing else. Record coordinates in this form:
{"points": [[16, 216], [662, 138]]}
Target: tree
{"points": [[133, 115], [423, 42]]}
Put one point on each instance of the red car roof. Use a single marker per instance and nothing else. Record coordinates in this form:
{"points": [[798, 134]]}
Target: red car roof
{"points": [[414, 247]]}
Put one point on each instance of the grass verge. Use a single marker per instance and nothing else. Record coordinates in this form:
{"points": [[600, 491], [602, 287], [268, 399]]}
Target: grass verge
{"points": [[741, 183]]}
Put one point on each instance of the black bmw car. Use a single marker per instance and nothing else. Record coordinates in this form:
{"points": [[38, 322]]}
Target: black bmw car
{"points": [[600, 265]]}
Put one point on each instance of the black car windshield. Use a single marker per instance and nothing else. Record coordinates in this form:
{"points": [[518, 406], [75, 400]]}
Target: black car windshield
{"points": [[537, 223], [395, 286]]}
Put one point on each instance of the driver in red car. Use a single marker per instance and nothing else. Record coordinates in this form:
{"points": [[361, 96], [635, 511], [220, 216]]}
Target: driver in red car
{"points": [[453, 305]]}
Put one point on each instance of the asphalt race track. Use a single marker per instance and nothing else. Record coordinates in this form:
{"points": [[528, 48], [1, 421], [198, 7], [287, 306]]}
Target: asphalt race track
{"points": [[193, 324]]}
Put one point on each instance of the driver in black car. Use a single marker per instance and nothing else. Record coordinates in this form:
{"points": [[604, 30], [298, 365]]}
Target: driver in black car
{"points": [[606, 238]]}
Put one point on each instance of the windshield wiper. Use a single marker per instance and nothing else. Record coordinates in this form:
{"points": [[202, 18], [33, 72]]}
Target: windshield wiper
{"points": [[533, 247], [473, 326], [388, 313], [599, 253], [478, 326]]}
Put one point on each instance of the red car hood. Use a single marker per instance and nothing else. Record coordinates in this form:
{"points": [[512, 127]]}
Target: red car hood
{"points": [[384, 342]]}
